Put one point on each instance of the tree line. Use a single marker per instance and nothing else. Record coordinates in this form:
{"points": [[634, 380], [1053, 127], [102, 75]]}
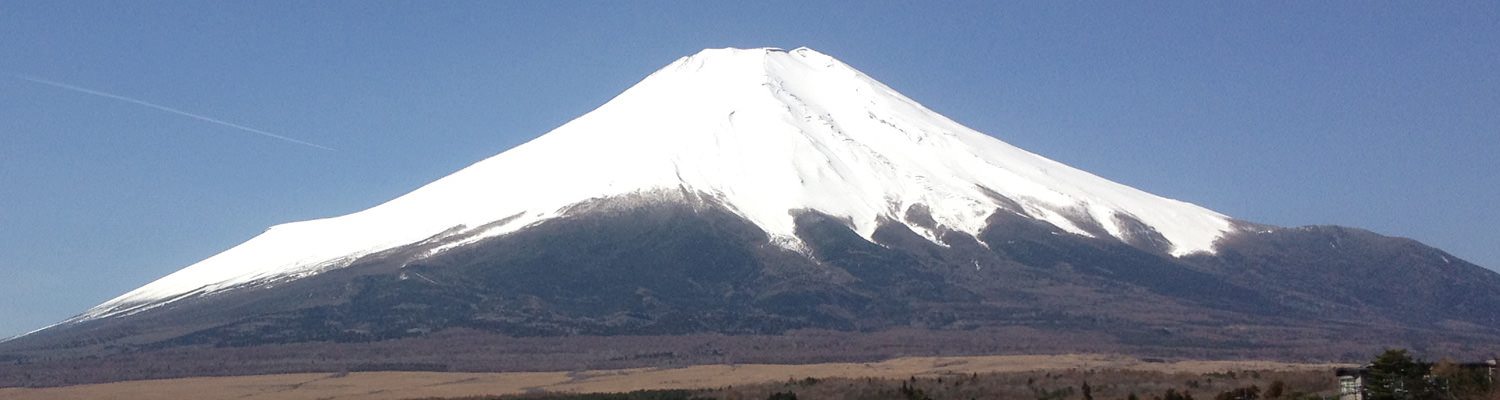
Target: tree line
{"points": [[1396, 375]]}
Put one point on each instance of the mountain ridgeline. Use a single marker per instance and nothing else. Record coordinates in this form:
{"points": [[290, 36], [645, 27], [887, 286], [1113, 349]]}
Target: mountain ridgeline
{"points": [[763, 193]]}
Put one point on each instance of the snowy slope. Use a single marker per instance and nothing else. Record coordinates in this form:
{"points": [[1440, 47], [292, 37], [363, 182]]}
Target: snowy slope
{"points": [[765, 131]]}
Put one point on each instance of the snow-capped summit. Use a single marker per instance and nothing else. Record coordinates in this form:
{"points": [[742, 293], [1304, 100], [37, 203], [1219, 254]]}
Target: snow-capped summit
{"points": [[764, 132]]}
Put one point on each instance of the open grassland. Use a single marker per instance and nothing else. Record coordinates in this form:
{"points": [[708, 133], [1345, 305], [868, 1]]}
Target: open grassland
{"points": [[52, 364], [1062, 371]]}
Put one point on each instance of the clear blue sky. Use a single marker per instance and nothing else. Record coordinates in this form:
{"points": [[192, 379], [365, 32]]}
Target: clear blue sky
{"points": [[1380, 115]]}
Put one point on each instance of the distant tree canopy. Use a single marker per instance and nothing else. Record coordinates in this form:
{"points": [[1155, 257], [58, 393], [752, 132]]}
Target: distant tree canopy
{"points": [[1395, 375], [1458, 382]]}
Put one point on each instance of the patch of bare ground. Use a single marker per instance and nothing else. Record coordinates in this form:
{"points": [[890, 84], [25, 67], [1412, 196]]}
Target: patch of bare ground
{"points": [[1108, 373], [463, 350]]}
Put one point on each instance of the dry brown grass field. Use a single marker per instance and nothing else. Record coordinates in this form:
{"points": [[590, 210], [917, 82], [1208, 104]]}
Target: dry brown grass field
{"points": [[1111, 376]]}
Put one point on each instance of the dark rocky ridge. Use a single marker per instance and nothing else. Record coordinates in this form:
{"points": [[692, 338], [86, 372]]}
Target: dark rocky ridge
{"points": [[633, 268]]}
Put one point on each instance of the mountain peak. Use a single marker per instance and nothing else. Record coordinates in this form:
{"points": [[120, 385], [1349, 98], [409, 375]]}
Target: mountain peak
{"points": [[750, 53], [727, 65], [765, 132]]}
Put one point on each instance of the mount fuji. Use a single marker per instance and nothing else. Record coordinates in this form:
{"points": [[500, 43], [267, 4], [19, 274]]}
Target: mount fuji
{"points": [[762, 132], [766, 191]]}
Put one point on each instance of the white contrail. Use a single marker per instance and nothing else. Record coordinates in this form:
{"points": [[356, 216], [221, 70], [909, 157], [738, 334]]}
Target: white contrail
{"points": [[167, 109]]}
